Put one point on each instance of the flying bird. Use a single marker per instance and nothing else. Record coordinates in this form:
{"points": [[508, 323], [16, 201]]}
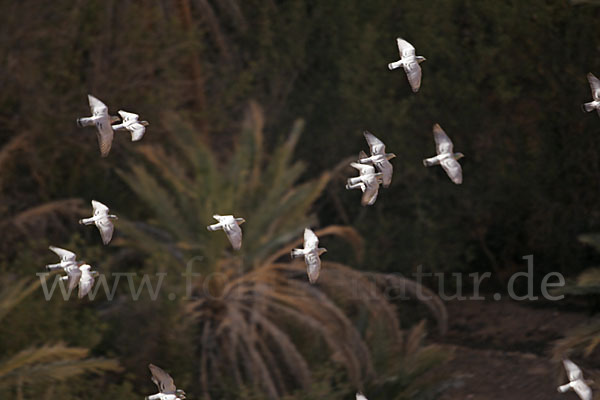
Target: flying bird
{"points": [[368, 181], [311, 253], [102, 220], [410, 62], [132, 124], [102, 121], [576, 381], [231, 226], [445, 155], [379, 158], [166, 386], [595, 85], [67, 259]]}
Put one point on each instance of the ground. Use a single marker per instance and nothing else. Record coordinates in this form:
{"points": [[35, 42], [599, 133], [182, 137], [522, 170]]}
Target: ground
{"points": [[503, 350]]}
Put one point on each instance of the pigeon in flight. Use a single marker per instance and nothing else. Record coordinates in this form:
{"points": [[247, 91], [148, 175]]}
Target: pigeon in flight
{"points": [[360, 396], [576, 381], [379, 158], [102, 220], [131, 124], [595, 85], [410, 62], [368, 181], [231, 226], [311, 253], [67, 259], [445, 155], [166, 386], [102, 121]]}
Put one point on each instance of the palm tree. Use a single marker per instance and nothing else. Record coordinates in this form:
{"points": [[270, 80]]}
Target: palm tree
{"points": [[262, 324]]}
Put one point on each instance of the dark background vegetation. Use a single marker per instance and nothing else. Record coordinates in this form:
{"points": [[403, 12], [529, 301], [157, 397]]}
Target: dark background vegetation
{"points": [[505, 79]]}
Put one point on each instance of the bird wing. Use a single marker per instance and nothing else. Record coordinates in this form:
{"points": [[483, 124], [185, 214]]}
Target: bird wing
{"points": [[413, 73], [360, 396], [363, 169], [162, 380], [370, 194], [99, 208], [362, 155], [86, 282], [311, 241], [573, 371], [376, 145], [106, 228], [595, 85], [234, 234], [443, 144], [105, 135], [98, 108], [387, 170], [74, 275], [453, 169], [65, 255], [137, 131], [128, 117], [582, 390], [313, 266], [406, 49]]}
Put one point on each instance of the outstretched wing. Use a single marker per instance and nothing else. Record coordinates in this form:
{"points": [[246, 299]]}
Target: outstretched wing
{"points": [[387, 171], [65, 255], [376, 145], [99, 208], [311, 241], [453, 169], [406, 49], [86, 282], [595, 85], [573, 371], [413, 73], [128, 117], [582, 390], [370, 194], [137, 131], [313, 266], [98, 108], [234, 234], [74, 275], [106, 228], [443, 144], [363, 169], [162, 380], [105, 135], [360, 396]]}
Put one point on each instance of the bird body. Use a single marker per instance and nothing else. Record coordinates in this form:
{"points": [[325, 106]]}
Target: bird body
{"points": [[410, 62], [379, 158], [67, 259], [595, 86], [576, 381], [231, 226], [311, 253], [445, 155], [102, 220], [166, 386], [102, 121], [132, 124]]}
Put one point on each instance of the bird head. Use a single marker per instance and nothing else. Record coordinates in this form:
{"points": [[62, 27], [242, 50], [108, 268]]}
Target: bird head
{"points": [[420, 59], [240, 221], [458, 156], [114, 118], [322, 250], [389, 156]]}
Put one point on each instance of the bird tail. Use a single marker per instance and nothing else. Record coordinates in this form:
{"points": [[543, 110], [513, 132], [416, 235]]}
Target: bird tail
{"points": [[427, 163], [394, 65], [564, 388], [587, 107], [80, 123], [213, 227], [297, 253]]}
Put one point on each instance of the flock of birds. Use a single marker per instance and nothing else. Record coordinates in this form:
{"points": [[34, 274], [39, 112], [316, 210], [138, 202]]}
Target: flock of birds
{"points": [[374, 170]]}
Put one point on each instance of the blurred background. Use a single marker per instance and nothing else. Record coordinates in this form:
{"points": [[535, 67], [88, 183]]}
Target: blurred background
{"points": [[256, 108]]}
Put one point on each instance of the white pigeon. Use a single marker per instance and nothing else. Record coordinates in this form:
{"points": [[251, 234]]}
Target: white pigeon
{"points": [[132, 124], [576, 381], [86, 279], [445, 155], [231, 226], [102, 121], [166, 386], [368, 181], [595, 86], [379, 158], [67, 259], [410, 62], [102, 220], [360, 396], [311, 253]]}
